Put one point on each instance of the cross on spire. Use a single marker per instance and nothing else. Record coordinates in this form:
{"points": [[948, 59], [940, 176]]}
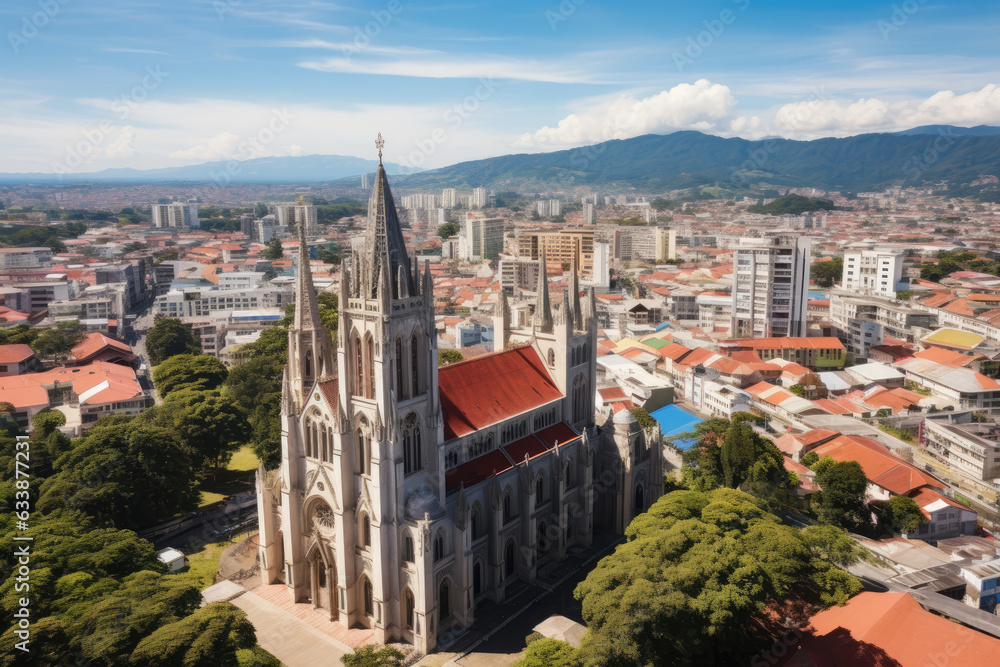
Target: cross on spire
{"points": [[379, 143]]}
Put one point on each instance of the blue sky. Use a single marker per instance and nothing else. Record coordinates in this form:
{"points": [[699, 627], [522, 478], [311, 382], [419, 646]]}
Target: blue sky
{"points": [[87, 85]]}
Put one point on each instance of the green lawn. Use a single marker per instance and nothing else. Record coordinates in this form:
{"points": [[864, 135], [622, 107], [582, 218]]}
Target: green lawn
{"points": [[237, 477], [203, 565]]}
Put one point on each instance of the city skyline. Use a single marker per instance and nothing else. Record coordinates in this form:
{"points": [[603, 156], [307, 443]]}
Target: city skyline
{"points": [[448, 83]]}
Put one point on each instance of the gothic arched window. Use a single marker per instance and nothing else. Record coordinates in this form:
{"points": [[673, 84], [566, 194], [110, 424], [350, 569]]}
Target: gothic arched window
{"points": [[369, 597], [366, 531], [540, 490], [412, 454], [509, 553], [359, 368], [579, 398], [507, 512], [370, 351], [552, 357], [640, 499], [415, 364], [363, 445], [408, 549], [410, 609], [444, 600], [400, 387]]}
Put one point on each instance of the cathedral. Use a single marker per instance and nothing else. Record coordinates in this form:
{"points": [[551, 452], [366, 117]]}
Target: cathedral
{"points": [[407, 494]]}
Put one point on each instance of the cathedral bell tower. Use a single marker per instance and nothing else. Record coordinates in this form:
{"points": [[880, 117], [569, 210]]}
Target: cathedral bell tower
{"points": [[387, 355]]}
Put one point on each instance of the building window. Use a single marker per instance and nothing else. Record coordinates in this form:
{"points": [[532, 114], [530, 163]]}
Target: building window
{"points": [[439, 546], [552, 357], [507, 515], [444, 598], [410, 609], [359, 366], [540, 490], [640, 499], [415, 364], [369, 597], [510, 551], [408, 549], [477, 521], [370, 349], [477, 579], [366, 531], [400, 387], [412, 446]]}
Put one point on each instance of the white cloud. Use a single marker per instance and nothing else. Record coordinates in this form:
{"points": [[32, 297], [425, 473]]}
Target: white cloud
{"points": [[293, 151], [224, 146], [824, 117], [122, 146], [456, 68], [701, 105]]}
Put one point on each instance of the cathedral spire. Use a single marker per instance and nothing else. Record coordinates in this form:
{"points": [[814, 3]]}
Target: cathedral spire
{"points": [[543, 309], [384, 237], [574, 318], [306, 306]]}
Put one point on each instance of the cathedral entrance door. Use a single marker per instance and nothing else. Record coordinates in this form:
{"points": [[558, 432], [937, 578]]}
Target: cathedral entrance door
{"points": [[323, 585]]}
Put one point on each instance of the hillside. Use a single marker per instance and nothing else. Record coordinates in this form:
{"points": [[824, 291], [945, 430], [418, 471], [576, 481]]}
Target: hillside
{"points": [[688, 159]]}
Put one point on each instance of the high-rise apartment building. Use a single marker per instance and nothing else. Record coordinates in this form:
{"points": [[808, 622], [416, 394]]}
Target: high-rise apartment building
{"points": [[589, 218], [770, 287], [480, 238], [176, 215], [563, 246], [449, 198], [295, 214], [479, 198], [872, 271]]}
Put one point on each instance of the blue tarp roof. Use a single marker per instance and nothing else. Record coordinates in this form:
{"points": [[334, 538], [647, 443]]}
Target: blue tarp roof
{"points": [[684, 445], [674, 421]]}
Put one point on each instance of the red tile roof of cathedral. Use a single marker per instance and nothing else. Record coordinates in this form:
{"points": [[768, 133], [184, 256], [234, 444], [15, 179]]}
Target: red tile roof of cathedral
{"points": [[489, 389]]}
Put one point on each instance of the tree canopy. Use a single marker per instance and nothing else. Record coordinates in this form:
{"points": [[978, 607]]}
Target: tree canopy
{"points": [[168, 337], [841, 501], [691, 581], [373, 656], [901, 515], [273, 250], [825, 274], [189, 371], [447, 229], [59, 340]]}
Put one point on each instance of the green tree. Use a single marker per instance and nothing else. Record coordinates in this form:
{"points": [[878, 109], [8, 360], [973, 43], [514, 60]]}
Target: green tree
{"points": [[901, 515], [273, 250], [825, 274], [446, 357], [842, 499], [797, 390], [211, 425], [210, 636], [59, 341], [645, 419], [545, 652], [693, 579], [189, 371], [447, 229], [809, 459], [168, 337], [46, 422], [130, 474], [373, 656]]}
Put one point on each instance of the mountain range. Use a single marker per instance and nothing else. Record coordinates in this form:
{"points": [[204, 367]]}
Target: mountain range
{"points": [[688, 159], [299, 169], [652, 162]]}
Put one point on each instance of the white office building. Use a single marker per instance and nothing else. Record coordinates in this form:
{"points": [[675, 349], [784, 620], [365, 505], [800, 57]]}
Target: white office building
{"points": [[479, 198], [296, 214], [449, 198], [872, 271], [176, 215], [770, 287], [589, 218]]}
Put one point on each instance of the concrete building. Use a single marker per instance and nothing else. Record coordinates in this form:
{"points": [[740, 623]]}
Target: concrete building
{"points": [[601, 274], [564, 246], [478, 197], [972, 448], [517, 273], [195, 301], [176, 215], [589, 217], [872, 271], [480, 238], [770, 287], [899, 319], [449, 198], [25, 258], [290, 215]]}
